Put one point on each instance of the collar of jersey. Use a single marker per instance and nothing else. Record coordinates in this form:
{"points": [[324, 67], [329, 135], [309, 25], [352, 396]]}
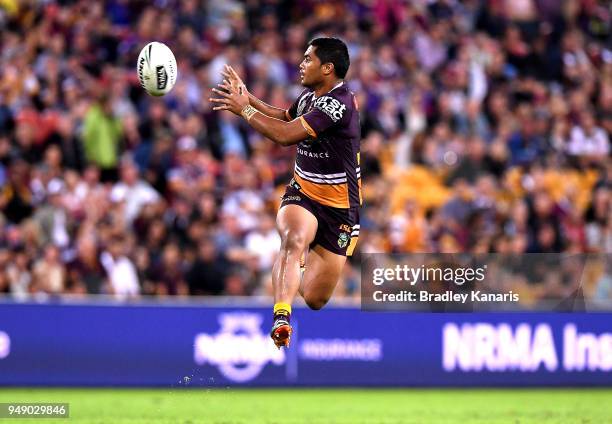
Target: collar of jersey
{"points": [[314, 97]]}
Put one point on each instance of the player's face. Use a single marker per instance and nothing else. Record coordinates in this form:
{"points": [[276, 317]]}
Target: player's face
{"points": [[310, 68]]}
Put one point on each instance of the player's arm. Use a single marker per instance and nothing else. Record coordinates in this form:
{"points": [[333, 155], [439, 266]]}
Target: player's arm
{"points": [[232, 78], [235, 100], [280, 132], [266, 109]]}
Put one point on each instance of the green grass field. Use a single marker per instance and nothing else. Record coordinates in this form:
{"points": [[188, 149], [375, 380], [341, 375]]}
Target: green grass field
{"points": [[350, 406]]}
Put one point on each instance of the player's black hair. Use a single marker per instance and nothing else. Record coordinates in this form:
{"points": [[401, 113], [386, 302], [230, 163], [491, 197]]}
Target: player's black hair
{"points": [[332, 50]]}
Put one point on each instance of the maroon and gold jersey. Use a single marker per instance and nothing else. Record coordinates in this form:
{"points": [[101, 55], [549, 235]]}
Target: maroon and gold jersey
{"points": [[327, 163]]}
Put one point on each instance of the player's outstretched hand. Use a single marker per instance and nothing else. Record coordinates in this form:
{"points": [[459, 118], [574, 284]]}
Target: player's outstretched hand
{"points": [[234, 97], [232, 77]]}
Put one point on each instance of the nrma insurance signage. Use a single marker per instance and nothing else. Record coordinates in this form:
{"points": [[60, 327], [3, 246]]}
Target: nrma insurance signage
{"points": [[199, 345], [5, 345], [241, 349], [527, 348], [412, 349]]}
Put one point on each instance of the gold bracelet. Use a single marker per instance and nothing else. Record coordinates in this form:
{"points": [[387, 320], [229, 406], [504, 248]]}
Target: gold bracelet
{"points": [[247, 112]]}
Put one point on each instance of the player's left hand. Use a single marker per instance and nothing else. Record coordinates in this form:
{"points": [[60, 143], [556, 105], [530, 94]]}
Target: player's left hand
{"points": [[234, 79], [233, 97]]}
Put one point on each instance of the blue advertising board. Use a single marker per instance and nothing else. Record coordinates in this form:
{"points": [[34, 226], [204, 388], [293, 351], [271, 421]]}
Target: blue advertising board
{"points": [[147, 345]]}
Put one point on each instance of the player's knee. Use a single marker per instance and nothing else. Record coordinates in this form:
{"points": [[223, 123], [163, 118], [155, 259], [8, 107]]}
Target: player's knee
{"points": [[293, 241], [316, 302]]}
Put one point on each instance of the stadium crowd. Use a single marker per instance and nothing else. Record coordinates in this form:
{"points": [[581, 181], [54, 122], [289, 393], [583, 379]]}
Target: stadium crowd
{"points": [[486, 128]]}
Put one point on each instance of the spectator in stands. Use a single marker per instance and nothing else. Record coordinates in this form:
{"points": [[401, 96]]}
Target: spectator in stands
{"points": [[132, 192], [101, 136], [208, 273], [121, 271], [49, 273]]}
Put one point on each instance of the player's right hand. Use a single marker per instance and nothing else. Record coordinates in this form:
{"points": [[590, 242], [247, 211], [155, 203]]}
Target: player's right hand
{"points": [[233, 79]]}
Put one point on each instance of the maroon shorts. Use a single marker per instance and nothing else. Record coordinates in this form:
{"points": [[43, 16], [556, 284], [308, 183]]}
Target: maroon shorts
{"points": [[337, 229]]}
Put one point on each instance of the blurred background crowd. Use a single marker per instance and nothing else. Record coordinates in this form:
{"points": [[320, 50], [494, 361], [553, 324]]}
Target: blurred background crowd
{"points": [[486, 128]]}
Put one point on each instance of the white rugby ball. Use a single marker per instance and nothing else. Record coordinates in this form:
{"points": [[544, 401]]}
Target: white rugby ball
{"points": [[156, 69]]}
